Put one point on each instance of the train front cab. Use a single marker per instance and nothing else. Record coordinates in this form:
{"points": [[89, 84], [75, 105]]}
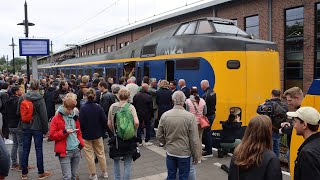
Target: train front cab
{"points": [[312, 98], [245, 86]]}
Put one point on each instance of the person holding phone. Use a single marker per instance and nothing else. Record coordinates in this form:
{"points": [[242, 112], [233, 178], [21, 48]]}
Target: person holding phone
{"points": [[65, 131]]}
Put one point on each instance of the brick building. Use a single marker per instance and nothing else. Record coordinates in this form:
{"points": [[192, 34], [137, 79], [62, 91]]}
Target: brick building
{"points": [[291, 24]]}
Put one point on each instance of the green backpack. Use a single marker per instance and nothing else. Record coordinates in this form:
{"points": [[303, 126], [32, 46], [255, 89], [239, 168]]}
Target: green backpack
{"points": [[124, 123]]}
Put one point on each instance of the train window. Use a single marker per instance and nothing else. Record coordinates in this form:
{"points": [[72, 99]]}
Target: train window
{"points": [[233, 64], [149, 51], [67, 72], [185, 64], [191, 28], [73, 71], [80, 71], [181, 29], [111, 72], [99, 71], [229, 29], [88, 71], [204, 27]]}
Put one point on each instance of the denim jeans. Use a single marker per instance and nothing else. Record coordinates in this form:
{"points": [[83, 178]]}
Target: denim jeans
{"points": [[147, 125], [17, 147], [70, 164], [208, 135], [192, 173], [175, 163], [38, 140], [4, 159], [152, 123], [127, 167], [276, 143]]}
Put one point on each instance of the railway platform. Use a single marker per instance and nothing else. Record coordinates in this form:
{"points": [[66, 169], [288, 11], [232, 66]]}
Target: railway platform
{"points": [[150, 166]]}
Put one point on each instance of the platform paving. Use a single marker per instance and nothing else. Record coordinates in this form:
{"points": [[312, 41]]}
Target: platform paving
{"points": [[150, 166]]}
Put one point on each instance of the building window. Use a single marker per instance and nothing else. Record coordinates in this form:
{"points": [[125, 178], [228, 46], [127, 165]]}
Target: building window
{"points": [[121, 45], [252, 26], [293, 59], [85, 53], [89, 52], [317, 48], [81, 54], [101, 50], [92, 51], [113, 48], [109, 49], [98, 51], [127, 43]]}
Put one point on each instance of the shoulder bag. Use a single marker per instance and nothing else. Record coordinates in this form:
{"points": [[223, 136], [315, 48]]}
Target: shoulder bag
{"points": [[203, 120]]}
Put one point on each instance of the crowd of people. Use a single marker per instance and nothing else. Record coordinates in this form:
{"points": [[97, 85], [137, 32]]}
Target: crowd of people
{"points": [[78, 113]]}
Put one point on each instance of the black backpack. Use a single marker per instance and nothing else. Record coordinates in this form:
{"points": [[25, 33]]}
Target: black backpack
{"points": [[278, 114], [276, 110]]}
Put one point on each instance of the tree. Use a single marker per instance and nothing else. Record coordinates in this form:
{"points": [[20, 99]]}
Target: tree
{"points": [[3, 63], [19, 62]]}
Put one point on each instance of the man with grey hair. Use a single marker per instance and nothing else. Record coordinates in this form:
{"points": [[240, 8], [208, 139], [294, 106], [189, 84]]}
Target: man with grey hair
{"points": [[35, 129], [184, 88], [115, 88], [133, 88], [178, 131], [210, 97]]}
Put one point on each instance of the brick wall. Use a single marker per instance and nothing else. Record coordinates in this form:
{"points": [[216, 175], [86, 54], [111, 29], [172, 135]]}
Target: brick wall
{"points": [[244, 8]]}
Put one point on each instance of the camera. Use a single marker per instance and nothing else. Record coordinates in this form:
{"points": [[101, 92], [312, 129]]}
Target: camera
{"points": [[265, 108]]}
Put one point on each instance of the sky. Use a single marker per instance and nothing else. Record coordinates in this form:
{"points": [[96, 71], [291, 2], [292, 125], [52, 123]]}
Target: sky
{"points": [[74, 21]]}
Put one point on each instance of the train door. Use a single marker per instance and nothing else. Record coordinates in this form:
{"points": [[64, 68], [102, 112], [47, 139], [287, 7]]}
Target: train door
{"points": [[139, 72], [119, 72], [170, 70]]}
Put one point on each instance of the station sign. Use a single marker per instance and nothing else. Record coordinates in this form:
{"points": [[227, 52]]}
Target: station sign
{"points": [[34, 47]]}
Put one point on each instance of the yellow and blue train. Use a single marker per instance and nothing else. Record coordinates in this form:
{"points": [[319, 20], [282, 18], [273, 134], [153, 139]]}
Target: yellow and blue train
{"points": [[242, 70]]}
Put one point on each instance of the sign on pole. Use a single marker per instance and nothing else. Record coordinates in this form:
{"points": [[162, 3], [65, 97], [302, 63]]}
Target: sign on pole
{"points": [[34, 47]]}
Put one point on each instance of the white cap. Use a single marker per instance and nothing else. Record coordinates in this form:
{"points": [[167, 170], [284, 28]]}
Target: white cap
{"points": [[307, 114]]}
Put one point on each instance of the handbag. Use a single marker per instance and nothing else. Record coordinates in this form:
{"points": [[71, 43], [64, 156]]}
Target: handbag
{"points": [[203, 120]]}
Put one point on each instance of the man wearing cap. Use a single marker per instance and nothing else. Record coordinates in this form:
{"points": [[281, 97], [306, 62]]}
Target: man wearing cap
{"points": [[306, 123]]}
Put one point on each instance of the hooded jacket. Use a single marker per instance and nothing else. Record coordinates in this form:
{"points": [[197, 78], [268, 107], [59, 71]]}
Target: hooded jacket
{"points": [[59, 134], [11, 109], [39, 120], [50, 105]]}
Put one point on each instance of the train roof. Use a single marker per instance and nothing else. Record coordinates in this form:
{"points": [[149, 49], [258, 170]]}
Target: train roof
{"points": [[185, 37]]}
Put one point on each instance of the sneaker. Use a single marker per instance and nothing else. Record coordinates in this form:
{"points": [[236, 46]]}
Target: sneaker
{"points": [[45, 175], [105, 175], [207, 154], [8, 141], [93, 177], [24, 176], [148, 143]]}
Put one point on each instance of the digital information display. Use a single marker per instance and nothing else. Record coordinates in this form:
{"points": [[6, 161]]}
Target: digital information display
{"points": [[34, 47]]}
